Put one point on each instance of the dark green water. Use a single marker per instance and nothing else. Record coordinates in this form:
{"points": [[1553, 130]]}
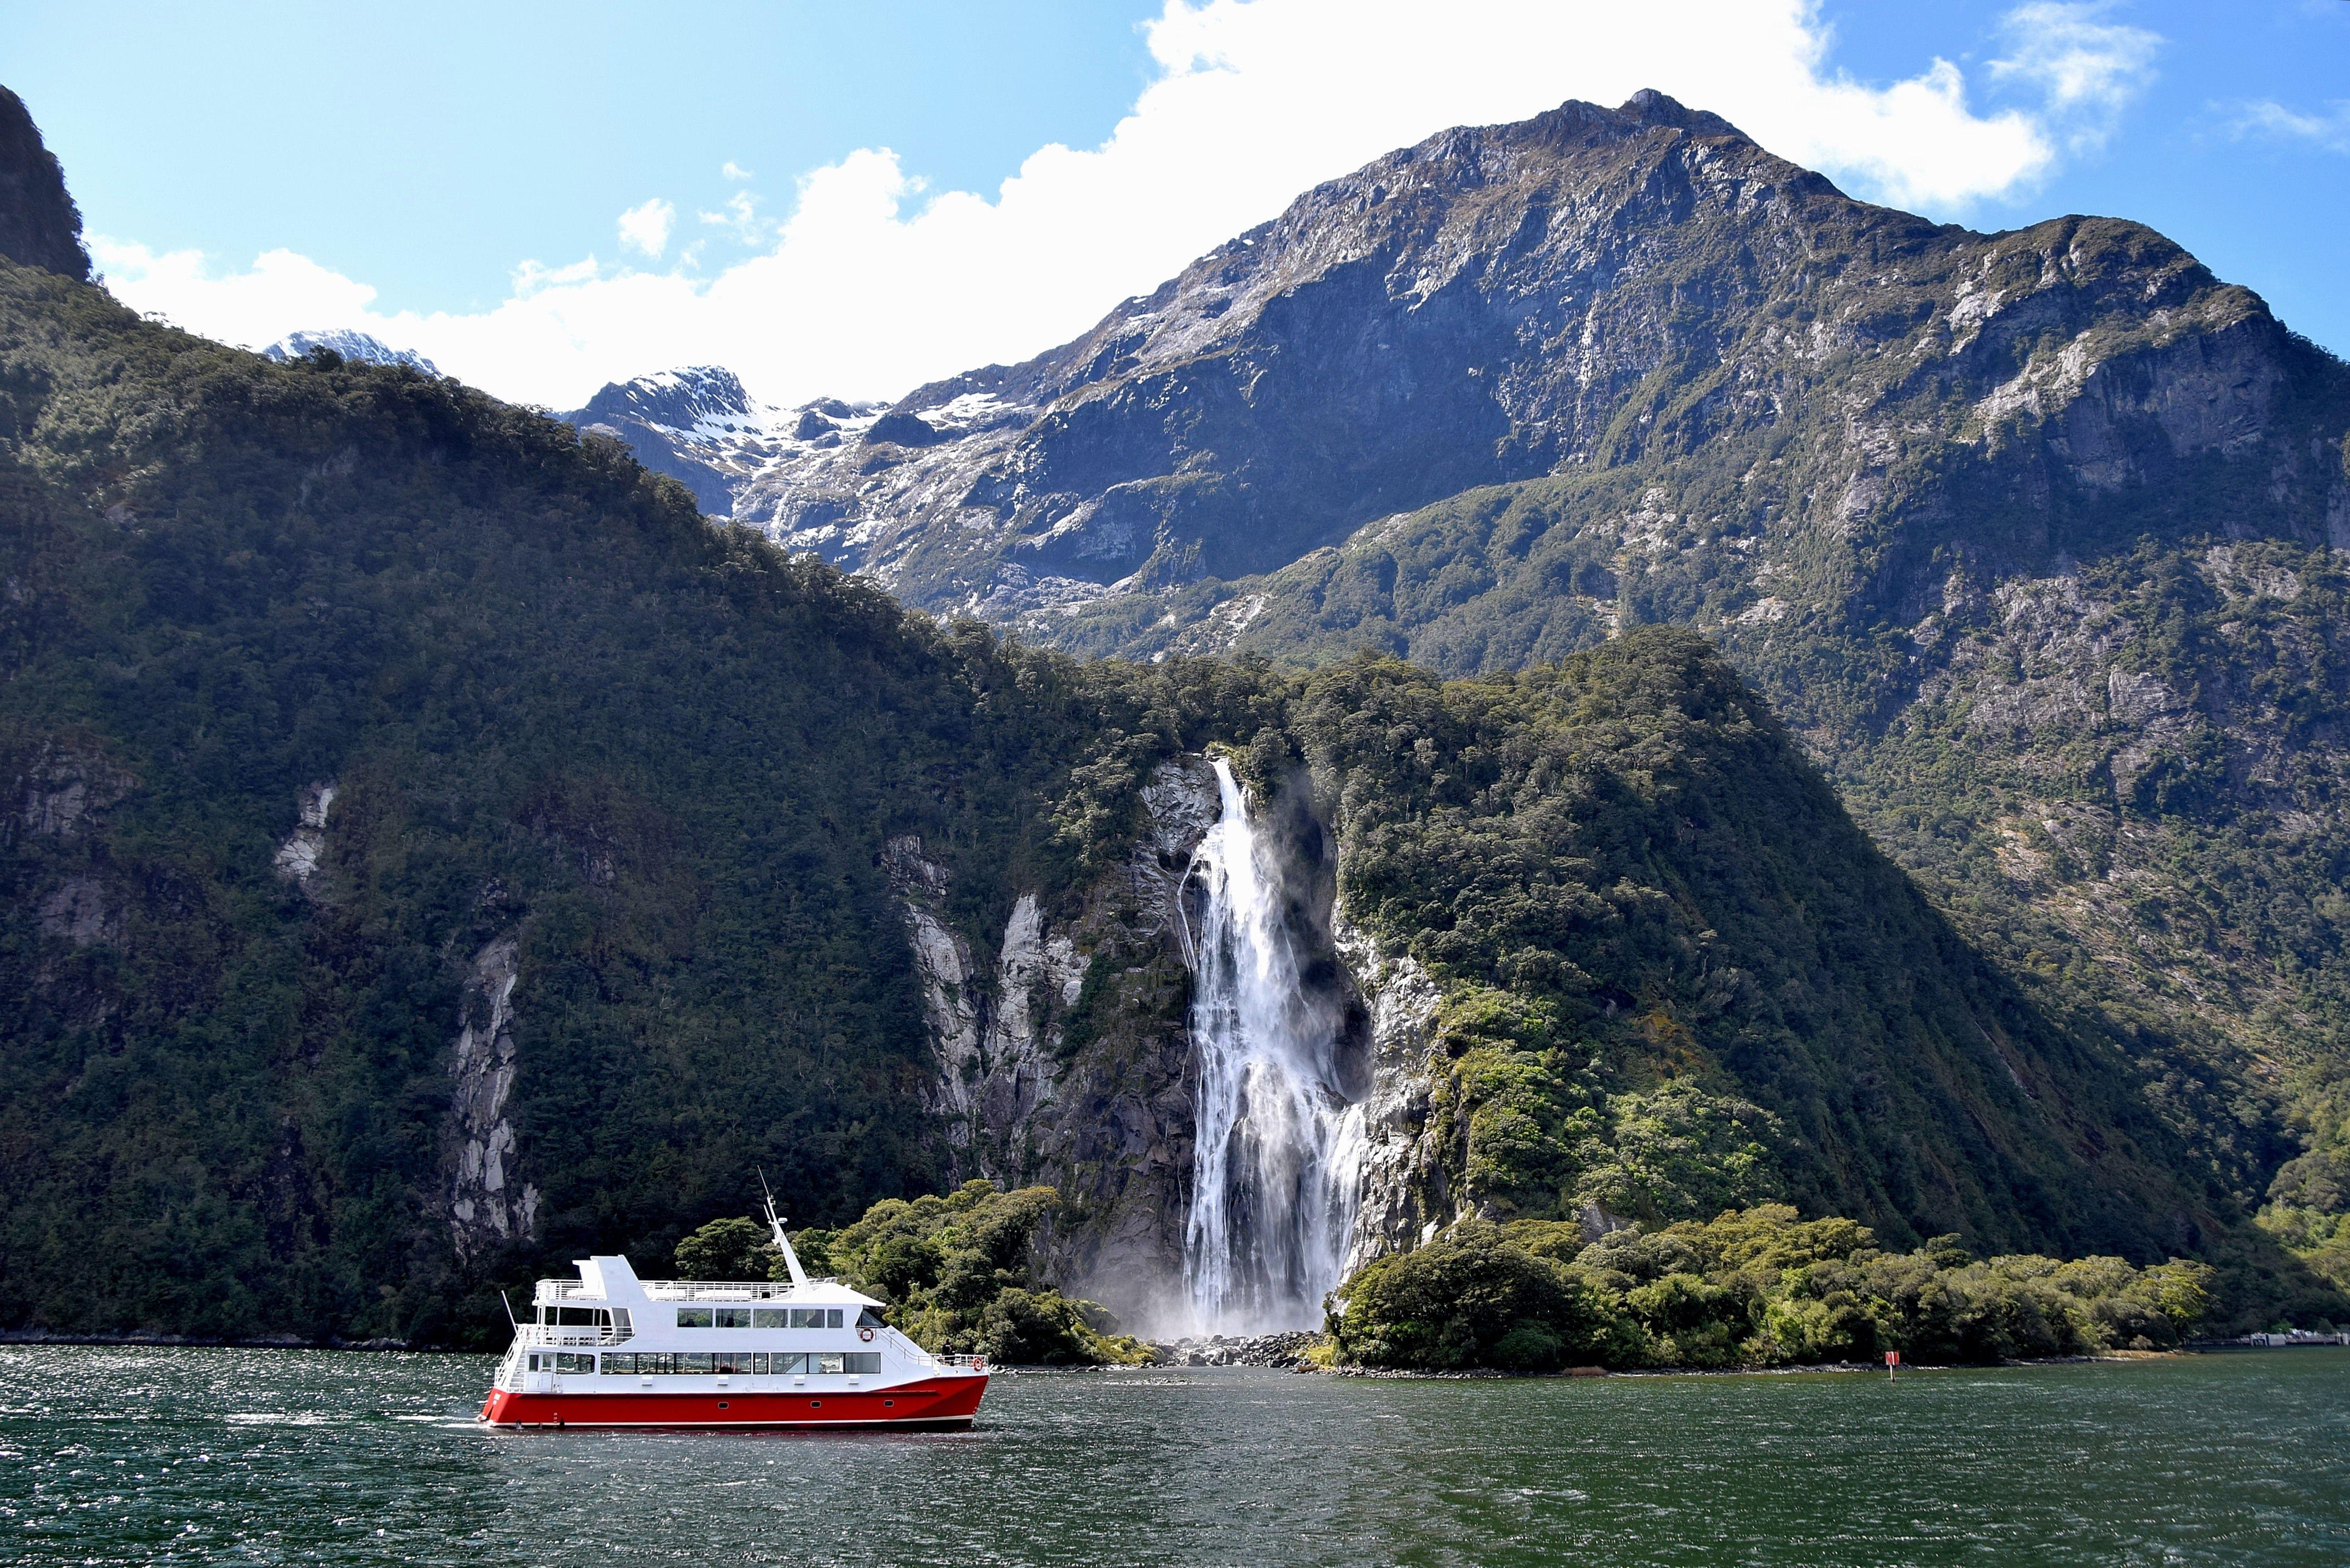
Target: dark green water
{"points": [[211, 1456]]}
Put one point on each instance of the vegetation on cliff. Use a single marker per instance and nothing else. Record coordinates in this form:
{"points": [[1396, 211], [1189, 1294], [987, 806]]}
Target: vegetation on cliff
{"points": [[1755, 1287]]}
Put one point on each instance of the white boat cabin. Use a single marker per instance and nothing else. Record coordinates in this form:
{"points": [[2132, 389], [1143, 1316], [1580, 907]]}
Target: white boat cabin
{"points": [[608, 1331]]}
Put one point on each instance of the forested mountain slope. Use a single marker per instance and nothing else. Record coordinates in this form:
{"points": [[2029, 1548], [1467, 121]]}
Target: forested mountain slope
{"points": [[434, 852], [2034, 537]]}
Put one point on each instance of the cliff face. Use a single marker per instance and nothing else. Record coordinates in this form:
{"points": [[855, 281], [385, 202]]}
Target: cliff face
{"points": [[39, 225], [1068, 1063]]}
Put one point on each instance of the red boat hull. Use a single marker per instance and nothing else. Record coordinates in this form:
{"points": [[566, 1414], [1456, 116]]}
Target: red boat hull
{"points": [[949, 1401]]}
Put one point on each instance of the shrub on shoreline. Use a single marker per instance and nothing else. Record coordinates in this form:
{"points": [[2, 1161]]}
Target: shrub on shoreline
{"points": [[955, 1273], [1755, 1287]]}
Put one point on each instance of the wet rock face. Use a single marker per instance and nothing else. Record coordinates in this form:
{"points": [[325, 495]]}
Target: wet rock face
{"points": [[995, 1044], [1062, 1059], [488, 1203], [1067, 1058], [1405, 1196]]}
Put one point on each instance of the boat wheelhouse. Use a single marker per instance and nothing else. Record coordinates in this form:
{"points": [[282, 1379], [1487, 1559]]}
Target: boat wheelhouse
{"points": [[609, 1349]]}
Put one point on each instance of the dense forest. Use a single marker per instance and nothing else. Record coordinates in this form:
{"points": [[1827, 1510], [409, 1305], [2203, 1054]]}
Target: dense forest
{"points": [[435, 852]]}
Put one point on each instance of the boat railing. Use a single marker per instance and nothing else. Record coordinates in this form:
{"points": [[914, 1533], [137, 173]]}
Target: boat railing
{"points": [[569, 1337], [684, 1290], [963, 1363]]}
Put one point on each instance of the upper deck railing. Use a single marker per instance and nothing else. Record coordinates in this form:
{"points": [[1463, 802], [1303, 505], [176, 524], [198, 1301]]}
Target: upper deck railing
{"points": [[569, 1337], [685, 1290]]}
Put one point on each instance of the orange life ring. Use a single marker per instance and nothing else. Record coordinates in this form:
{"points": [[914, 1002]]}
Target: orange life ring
{"points": [[865, 1334]]}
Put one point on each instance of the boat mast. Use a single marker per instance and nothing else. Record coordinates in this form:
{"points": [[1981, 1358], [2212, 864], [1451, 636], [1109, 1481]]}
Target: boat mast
{"points": [[783, 1242]]}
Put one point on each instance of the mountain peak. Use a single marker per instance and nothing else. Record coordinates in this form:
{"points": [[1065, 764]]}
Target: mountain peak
{"points": [[682, 400], [696, 423], [1652, 108], [359, 347], [39, 225]]}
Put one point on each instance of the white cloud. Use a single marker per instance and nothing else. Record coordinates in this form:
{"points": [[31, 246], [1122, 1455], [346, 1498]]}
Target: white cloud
{"points": [[733, 171], [253, 307], [645, 229], [741, 216], [2088, 69], [872, 283], [2272, 119]]}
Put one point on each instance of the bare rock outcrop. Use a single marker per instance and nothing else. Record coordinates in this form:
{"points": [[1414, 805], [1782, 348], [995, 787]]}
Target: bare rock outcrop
{"points": [[66, 789], [298, 858], [1405, 1196], [487, 1205], [1063, 1060], [79, 911]]}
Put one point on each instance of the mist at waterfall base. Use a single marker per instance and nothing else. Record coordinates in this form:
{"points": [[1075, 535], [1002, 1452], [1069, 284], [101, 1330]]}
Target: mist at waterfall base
{"points": [[1277, 1149]]}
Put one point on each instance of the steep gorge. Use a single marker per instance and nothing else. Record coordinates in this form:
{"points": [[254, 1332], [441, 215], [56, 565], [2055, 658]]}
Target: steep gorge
{"points": [[434, 852]]}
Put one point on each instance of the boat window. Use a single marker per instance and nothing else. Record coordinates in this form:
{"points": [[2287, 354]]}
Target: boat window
{"points": [[567, 1361], [808, 1317], [869, 1318], [641, 1364], [733, 1317], [583, 1317], [690, 1361], [831, 1362], [832, 1318], [693, 1317], [863, 1361], [771, 1317], [781, 1366], [730, 1361]]}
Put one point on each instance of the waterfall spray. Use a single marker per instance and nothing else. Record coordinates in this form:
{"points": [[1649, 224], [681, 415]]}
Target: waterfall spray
{"points": [[1278, 1150]]}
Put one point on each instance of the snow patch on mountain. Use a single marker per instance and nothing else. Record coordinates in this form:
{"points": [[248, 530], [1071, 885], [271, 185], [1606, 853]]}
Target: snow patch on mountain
{"points": [[700, 425], [361, 347]]}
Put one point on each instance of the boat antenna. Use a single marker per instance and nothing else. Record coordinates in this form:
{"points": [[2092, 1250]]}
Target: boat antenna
{"points": [[783, 1242], [509, 1306]]}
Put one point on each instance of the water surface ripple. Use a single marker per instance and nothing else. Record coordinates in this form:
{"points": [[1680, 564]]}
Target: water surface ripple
{"points": [[251, 1456]]}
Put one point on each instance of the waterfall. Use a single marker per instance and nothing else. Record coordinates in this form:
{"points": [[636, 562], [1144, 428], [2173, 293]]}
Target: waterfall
{"points": [[1277, 1149]]}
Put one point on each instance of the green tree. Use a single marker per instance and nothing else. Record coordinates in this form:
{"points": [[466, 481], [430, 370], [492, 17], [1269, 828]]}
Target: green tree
{"points": [[731, 1249]]}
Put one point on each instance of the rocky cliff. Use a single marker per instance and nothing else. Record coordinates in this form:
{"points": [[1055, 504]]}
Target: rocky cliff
{"points": [[39, 225], [1068, 1063]]}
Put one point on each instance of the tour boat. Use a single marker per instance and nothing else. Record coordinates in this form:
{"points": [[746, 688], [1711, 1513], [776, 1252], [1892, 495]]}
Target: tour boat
{"points": [[609, 1349]]}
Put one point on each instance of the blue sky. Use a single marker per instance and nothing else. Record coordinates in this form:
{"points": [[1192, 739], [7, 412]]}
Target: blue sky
{"points": [[456, 177]]}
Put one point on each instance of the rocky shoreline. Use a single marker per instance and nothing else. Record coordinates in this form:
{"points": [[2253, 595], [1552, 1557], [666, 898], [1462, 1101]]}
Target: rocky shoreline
{"points": [[1283, 1351]]}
